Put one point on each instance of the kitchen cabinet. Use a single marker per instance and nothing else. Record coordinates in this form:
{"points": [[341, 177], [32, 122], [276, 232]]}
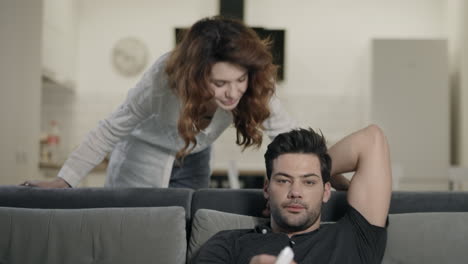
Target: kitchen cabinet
{"points": [[410, 101], [59, 38], [20, 96]]}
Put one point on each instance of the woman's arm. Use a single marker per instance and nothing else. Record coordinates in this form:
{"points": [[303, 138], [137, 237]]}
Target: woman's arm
{"points": [[98, 142]]}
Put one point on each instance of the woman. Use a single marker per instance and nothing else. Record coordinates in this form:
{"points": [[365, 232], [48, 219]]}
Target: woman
{"points": [[220, 74]]}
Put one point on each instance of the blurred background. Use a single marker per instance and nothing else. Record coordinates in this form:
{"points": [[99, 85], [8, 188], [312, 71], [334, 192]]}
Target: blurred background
{"points": [[66, 64]]}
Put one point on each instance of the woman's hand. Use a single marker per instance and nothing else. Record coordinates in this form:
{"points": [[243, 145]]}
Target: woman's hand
{"points": [[55, 183]]}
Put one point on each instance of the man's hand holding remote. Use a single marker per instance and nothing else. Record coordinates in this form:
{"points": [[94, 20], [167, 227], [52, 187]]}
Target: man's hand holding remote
{"points": [[285, 257]]}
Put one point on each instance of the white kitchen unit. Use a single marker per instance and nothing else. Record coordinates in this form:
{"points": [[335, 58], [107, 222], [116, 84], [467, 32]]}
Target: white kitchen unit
{"points": [[20, 82], [410, 101]]}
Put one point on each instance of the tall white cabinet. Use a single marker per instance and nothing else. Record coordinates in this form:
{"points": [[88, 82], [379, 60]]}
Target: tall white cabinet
{"points": [[410, 101], [20, 88]]}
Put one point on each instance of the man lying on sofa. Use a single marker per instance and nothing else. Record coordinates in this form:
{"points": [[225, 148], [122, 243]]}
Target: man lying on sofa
{"points": [[298, 170]]}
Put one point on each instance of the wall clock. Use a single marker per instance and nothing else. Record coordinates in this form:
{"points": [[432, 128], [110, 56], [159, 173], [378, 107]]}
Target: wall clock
{"points": [[129, 56]]}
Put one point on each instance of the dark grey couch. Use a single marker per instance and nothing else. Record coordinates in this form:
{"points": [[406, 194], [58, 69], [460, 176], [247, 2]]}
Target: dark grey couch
{"points": [[148, 225]]}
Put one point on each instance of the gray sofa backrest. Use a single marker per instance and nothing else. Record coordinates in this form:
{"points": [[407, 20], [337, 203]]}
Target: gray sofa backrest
{"points": [[244, 201], [251, 202], [91, 225], [80, 198]]}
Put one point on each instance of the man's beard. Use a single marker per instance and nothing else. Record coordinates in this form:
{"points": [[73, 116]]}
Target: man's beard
{"points": [[290, 223]]}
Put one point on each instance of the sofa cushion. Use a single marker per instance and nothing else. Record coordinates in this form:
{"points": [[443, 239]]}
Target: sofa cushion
{"points": [[99, 235], [237, 201], [427, 238], [207, 222], [412, 238]]}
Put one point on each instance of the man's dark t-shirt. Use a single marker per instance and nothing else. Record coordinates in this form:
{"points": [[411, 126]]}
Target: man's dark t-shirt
{"points": [[350, 240]]}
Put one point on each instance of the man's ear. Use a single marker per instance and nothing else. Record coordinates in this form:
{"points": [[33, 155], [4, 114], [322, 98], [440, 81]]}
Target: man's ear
{"points": [[326, 192], [266, 185]]}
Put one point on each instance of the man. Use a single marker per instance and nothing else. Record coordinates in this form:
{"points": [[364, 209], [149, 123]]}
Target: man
{"points": [[298, 170]]}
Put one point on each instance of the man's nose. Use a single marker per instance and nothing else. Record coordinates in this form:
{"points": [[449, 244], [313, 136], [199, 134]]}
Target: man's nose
{"points": [[295, 191]]}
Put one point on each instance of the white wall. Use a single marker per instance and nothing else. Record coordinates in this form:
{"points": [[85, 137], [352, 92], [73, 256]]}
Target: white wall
{"points": [[101, 24], [20, 75], [327, 77], [328, 57]]}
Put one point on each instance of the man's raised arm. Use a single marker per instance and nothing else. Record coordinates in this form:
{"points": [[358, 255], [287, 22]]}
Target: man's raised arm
{"points": [[366, 152]]}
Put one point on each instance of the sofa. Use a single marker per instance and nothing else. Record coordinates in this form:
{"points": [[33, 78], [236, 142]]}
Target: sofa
{"points": [[152, 225]]}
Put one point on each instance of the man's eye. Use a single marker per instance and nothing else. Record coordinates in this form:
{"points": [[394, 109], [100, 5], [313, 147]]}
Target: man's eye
{"points": [[310, 182], [282, 181]]}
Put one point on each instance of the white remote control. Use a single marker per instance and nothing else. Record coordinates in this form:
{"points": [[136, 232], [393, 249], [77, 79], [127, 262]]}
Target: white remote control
{"points": [[285, 256]]}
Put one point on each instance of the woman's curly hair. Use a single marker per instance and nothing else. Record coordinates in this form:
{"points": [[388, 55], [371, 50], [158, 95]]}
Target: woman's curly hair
{"points": [[207, 42]]}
